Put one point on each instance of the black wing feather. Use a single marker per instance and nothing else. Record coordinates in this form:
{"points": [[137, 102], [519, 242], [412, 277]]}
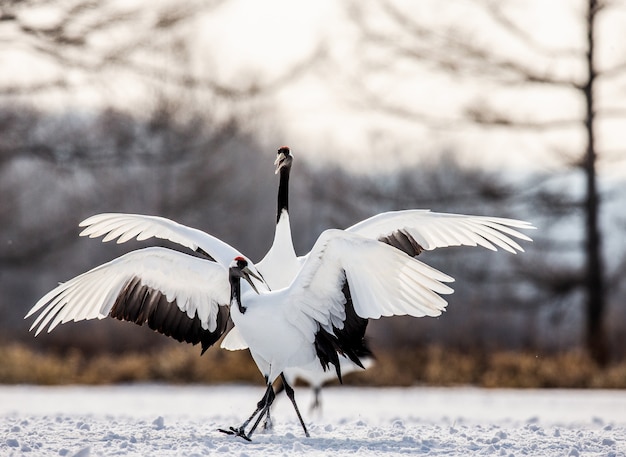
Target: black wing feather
{"points": [[141, 304], [399, 239], [348, 341]]}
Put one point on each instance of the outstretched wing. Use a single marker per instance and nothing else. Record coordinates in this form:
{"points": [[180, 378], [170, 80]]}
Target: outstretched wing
{"points": [[175, 294], [381, 280], [125, 227], [413, 231]]}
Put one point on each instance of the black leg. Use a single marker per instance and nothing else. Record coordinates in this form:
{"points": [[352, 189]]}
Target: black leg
{"points": [[267, 424], [290, 393], [260, 409], [317, 404], [265, 411], [278, 388], [269, 392]]}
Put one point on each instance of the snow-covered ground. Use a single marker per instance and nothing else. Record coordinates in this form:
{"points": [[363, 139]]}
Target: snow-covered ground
{"points": [[154, 420]]}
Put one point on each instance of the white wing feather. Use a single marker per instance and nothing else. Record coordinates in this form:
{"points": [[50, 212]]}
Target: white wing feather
{"points": [[383, 281], [233, 341], [198, 286], [436, 230], [125, 227]]}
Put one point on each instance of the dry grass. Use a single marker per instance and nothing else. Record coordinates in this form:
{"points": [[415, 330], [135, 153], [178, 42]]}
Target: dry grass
{"points": [[436, 366], [175, 364], [433, 366]]}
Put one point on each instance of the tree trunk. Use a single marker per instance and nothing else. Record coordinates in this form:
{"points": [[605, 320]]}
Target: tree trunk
{"points": [[595, 337]]}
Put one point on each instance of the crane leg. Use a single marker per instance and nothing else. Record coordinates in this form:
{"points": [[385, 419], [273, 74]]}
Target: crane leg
{"points": [[265, 411], [317, 404], [290, 393], [261, 410]]}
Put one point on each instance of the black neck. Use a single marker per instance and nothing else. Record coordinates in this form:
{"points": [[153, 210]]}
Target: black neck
{"points": [[235, 292], [283, 192]]}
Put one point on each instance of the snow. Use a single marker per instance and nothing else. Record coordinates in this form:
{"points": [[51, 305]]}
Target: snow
{"points": [[158, 420]]}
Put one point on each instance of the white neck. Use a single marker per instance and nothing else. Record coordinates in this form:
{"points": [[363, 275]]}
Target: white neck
{"points": [[280, 265]]}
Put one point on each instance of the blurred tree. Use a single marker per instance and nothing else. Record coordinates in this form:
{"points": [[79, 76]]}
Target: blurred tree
{"points": [[516, 77]]}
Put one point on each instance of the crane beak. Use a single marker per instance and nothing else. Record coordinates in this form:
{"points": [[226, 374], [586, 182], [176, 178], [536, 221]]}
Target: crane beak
{"points": [[279, 162], [247, 273]]}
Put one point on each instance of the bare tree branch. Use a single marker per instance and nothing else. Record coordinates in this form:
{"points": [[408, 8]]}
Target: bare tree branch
{"points": [[461, 54], [68, 42], [31, 89], [185, 80], [488, 117]]}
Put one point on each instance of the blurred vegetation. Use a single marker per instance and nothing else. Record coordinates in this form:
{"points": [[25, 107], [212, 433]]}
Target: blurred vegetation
{"points": [[429, 366], [175, 364]]}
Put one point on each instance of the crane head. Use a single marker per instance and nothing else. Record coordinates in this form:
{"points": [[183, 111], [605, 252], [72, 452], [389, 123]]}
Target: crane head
{"points": [[283, 158]]}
